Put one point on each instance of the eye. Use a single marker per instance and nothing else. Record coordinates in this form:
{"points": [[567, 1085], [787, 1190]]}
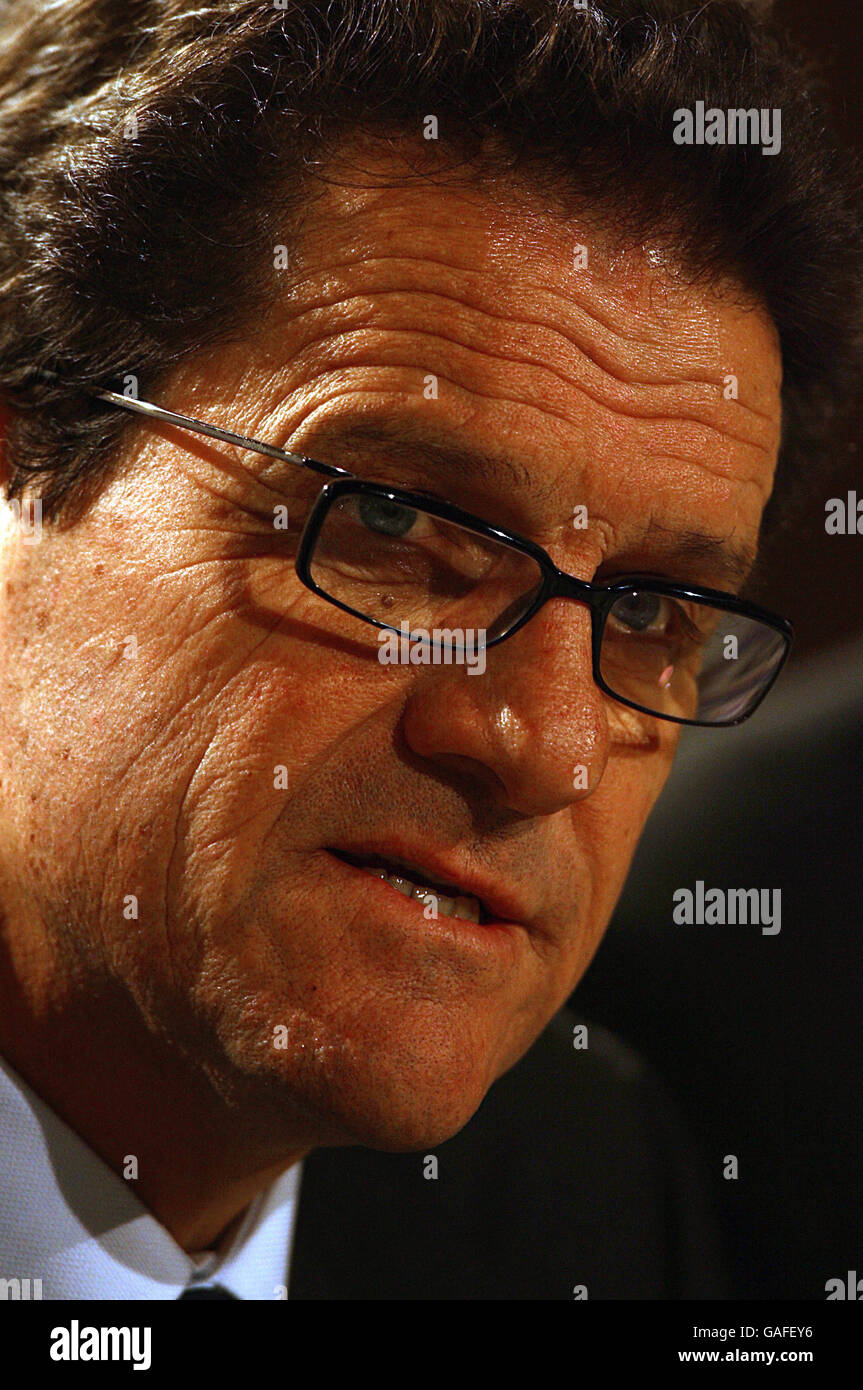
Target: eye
{"points": [[386, 518], [642, 612]]}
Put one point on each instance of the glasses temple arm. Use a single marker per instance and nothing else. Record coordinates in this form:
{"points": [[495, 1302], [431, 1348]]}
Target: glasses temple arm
{"points": [[156, 412], [169, 417]]}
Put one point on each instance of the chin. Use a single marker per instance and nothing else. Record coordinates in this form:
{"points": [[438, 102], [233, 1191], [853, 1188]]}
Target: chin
{"points": [[383, 1070], [407, 1120], [397, 1093]]}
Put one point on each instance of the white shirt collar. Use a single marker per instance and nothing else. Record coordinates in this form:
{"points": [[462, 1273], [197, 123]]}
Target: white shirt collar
{"points": [[66, 1218]]}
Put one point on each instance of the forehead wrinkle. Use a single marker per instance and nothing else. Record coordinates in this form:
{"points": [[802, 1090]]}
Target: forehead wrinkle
{"points": [[470, 272], [613, 402], [369, 296], [546, 409], [602, 386], [526, 256], [502, 225], [511, 247]]}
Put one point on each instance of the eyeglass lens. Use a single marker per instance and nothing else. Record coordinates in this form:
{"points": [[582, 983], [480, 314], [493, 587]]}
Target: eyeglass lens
{"points": [[402, 566]]}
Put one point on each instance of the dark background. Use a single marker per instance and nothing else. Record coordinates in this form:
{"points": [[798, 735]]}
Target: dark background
{"points": [[759, 1039], [804, 568]]}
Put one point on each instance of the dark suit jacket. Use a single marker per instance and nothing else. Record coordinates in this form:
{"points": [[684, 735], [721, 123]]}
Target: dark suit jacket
{"points": [[574, 1171]]}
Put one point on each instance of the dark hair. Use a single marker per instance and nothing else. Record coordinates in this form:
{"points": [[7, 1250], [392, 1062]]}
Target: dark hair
{"points": [[127, 245]]}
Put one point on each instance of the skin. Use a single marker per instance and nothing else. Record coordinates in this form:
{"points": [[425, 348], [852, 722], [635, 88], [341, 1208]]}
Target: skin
{"points": [[153, 774]]}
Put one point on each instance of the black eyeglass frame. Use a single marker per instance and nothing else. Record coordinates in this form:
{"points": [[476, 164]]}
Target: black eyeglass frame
{"points": [[555, 583]]}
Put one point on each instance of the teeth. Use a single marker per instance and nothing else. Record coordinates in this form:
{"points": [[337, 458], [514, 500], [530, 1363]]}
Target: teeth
{"points": [[444, 907], [467, 908], [401, 885]]}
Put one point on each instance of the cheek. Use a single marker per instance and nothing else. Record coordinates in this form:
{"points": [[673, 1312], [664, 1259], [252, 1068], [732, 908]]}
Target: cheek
{"points": [[607, 827], [270, 730], [149, 747]]}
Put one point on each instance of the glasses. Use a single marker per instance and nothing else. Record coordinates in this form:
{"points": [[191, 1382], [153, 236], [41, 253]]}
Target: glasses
{"points": [[412, 564]]}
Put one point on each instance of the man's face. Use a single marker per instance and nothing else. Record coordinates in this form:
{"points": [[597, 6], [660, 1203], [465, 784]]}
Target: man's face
{"points": [[208, 767]]}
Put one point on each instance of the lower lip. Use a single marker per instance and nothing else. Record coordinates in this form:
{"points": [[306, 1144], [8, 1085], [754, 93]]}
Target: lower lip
{"points": [[489, 939]]}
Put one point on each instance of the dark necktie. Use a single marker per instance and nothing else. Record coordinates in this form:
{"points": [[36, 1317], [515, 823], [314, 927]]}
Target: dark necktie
{"points": [[206, 1293]]}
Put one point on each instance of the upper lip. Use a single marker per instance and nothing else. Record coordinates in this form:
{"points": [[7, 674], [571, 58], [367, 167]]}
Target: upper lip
{"points": [[501, 900]]}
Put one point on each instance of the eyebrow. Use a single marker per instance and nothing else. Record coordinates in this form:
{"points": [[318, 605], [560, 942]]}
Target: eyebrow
{"points": [[497, 468], [731, 562]]}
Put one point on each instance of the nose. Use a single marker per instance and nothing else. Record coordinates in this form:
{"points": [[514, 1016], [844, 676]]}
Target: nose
{"points": [[532, 728]]}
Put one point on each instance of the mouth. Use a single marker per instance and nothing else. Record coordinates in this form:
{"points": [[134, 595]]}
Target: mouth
{"points": [[447, 899]]}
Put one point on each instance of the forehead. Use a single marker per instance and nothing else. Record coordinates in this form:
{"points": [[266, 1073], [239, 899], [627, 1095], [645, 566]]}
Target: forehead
{"points": [[491, 234], [594, 363]]}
